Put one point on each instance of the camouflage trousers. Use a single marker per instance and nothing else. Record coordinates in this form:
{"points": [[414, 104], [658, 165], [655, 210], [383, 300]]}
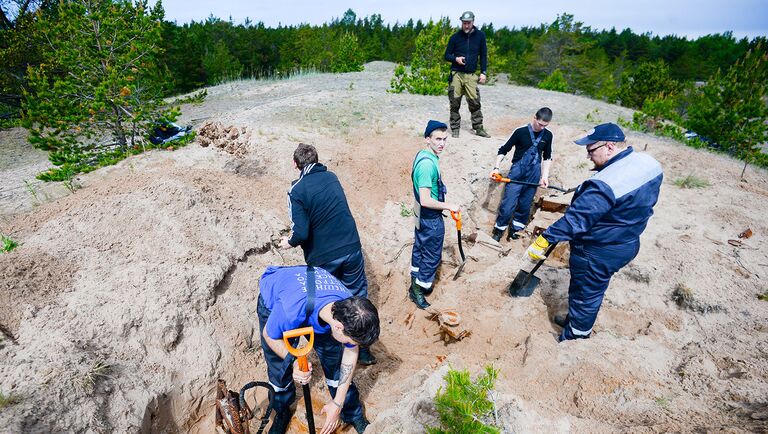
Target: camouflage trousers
{"points": [[461, 84]]}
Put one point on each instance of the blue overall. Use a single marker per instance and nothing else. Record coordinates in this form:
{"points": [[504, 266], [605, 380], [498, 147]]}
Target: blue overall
{"points": [[607, 215], [329, 351], [591, 269], [428, 237], [517, 197]]}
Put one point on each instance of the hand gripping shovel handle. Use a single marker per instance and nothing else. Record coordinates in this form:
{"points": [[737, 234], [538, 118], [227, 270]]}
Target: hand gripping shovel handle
{"points": [[456, 216], [541, 261], [301, 355]]}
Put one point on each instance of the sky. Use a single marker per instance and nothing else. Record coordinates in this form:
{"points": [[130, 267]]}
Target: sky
{"points": [[691, 18]]}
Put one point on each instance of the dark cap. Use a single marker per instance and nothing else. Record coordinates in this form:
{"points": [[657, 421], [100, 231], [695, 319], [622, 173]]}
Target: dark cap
{"points": [[467, 16], [433, 125], [604, 132]]}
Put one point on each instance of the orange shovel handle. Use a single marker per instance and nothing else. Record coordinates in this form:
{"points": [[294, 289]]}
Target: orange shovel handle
{"points": [[457, 217], [300, 353]]}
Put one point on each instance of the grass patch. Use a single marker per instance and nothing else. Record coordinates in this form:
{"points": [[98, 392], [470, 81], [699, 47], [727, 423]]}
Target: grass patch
{"points": [[7, 244], [763, 296], [405, 211], [87, 381], [691, 181], [8, 400], [684, 297], [662, 402]]}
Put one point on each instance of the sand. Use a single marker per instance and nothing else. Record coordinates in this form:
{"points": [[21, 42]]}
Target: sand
{"points": [[128, 299]]}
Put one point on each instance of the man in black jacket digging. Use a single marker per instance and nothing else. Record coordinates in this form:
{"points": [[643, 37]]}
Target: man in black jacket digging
{"points": [[323, 226]]}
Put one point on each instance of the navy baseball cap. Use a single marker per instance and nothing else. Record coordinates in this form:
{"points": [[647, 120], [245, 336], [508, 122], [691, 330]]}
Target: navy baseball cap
{"points": [[604, 132], [433, 125]]}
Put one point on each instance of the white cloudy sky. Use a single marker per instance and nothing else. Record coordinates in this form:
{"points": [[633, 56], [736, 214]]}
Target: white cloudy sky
{"points": [[690, 18]]}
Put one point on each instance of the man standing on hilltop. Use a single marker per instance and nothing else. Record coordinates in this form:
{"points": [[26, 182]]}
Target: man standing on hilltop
{"points": [[532, 143], [323, 226], [464, 49], [607, 214], [429, 192]]}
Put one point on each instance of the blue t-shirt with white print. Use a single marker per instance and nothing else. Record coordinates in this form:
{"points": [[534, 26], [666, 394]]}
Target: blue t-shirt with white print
{"points": [[284, 292]]}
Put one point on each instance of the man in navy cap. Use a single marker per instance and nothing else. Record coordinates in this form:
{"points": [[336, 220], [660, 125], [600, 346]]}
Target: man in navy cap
{"points": [[429, 192], [603, 224], [467, 51]]}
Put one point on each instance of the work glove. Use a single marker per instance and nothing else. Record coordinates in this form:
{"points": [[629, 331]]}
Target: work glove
{"points": [[536, 250]]}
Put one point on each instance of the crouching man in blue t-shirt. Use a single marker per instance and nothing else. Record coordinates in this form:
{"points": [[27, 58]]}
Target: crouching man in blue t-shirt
{"points": [[341, 323]]}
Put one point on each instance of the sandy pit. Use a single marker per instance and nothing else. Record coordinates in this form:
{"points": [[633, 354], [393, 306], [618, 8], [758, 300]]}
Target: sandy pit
{"points": [[128, 299]]}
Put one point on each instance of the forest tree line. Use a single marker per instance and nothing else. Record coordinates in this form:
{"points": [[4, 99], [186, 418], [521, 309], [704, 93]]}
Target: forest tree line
{"points": [[659, 75]]}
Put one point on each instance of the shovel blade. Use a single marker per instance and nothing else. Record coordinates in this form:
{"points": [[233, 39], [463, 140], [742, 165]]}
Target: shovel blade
{"points": [[458, 270], [523, 285]]}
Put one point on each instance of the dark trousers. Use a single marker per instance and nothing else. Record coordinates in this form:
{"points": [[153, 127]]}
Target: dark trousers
{"points": [[591, 270], [280, 372], [427, 250], [350, 270], [515, 205]]}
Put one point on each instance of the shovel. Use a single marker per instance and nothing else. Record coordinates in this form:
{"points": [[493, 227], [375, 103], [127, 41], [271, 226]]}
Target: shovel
{"points": [[526, 282], [301, 355], [457, 217], [498, 178]]}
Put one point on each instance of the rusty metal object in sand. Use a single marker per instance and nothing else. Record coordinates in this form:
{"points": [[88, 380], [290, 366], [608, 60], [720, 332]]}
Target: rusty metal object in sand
{"points": [[449, 323]]}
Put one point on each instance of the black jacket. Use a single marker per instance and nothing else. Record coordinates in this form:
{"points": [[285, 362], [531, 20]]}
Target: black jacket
{"points": [[470, 45], [322, 223]]}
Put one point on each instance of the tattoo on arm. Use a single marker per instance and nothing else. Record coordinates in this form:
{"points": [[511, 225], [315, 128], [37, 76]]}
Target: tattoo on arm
{"points": [[346, 373]]}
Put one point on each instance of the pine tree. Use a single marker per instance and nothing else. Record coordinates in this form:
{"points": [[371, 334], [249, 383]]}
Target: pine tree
{"points": [[428, 74], [731, 109], [98, 89]]}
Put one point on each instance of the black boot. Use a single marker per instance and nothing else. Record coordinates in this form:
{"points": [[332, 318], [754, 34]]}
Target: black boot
{"points": [[365, 357], [360, 424], [497, 233], [417, 296], [560, 320]]}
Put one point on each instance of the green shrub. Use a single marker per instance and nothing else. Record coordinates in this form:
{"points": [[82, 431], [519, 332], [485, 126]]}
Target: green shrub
{"points": [[649, 80], [464, 406], [8, 244], [554, 81]]}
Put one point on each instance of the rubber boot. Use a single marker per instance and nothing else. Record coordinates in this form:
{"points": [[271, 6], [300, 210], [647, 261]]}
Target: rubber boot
{"points": [[365, 357], [360, 424], [560, 320], [480, 131], [497, 233], [280, 422], [417, 296]]}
